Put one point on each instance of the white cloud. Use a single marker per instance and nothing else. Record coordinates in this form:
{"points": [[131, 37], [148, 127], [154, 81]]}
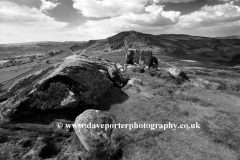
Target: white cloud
{"points": [[228, 0], [154, 15], [12, 13], [153, 18], [138, 12], [207, 21], [123, 15], [109, 8], [47, 5], [5, 32], [27, 24], [211, 15], [113, 8]]}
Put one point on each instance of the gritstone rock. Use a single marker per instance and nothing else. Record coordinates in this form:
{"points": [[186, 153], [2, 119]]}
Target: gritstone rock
{"points": [[94, 138], [76, 81]]}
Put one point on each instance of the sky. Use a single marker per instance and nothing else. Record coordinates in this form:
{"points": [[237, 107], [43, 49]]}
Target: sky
{"points": [[82, 20]]}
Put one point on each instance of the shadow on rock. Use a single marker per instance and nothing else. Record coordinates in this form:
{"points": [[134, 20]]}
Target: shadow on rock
{"points": [[36, 116]]}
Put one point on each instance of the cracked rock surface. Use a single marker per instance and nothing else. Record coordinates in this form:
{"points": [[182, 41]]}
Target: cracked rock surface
{"points": [[79, 80]]}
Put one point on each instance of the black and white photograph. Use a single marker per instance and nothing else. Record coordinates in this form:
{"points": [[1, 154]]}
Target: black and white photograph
{"points": [[119, 79]]}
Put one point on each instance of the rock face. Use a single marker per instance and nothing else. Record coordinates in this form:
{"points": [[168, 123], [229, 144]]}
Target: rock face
{"points": [[79, 80], [93, 136]]}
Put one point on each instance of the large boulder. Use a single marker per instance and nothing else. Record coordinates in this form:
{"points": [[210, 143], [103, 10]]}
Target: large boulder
{"points": [[79, 80], [95, 136]]}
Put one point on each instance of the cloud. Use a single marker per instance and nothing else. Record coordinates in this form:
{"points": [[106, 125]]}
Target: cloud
{"points": [[104, 18], [27, 24], [210, 16], [11, 13], [207, 21], [152, 18], [47, 5], [138, 12], [29, 3], [4, 32], [228, 0], [172, 1], [109, 8], [154, 15], [113, 8]]}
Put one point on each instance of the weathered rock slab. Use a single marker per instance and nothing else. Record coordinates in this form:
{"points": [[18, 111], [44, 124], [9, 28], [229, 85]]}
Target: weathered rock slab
{"points": [[95, 136], [79, 80]]}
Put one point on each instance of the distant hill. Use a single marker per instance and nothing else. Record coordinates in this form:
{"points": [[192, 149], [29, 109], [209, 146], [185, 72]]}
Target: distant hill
{"points": [[19, 49], [171, 43], [219, 49], [231, 37]]}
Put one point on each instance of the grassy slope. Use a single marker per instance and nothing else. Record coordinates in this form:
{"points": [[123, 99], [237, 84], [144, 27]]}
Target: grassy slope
{"points": [[211, 98], [159, 100]]}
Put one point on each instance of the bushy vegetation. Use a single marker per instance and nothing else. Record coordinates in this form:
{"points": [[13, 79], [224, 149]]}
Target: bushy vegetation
{"points": [[50, 97], [54, 52]]}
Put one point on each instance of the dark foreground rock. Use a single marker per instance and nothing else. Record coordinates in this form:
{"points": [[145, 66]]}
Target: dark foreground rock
{"points": [[78, 81]]}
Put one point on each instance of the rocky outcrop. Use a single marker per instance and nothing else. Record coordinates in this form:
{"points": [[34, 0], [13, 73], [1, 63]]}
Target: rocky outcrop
{"points": [[178, 74], [91, 129], [79, 80]]}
